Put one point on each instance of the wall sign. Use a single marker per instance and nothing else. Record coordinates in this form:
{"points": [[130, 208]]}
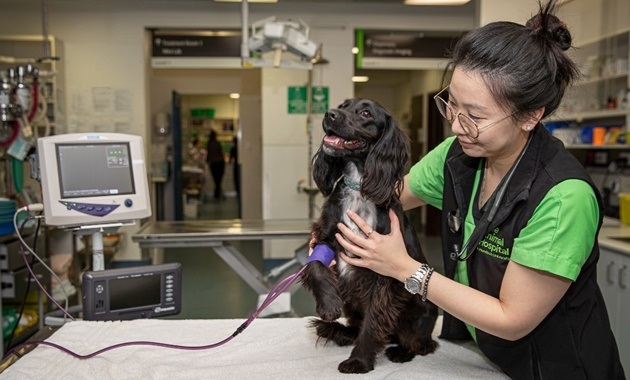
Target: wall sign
{"points": [[403, 49], [298, 100], [194, 48]]}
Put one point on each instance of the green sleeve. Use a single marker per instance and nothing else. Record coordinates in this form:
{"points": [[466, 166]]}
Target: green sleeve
{"points": [[560, 235], [426, 177]]}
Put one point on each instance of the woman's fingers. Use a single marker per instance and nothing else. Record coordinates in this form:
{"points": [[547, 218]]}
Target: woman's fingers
{"points": [[349, 247], [350, 234], [352, 261], [363, 226]]}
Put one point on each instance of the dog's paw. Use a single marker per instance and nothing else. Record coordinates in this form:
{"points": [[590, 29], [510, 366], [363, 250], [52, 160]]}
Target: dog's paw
{"points": [[398, 354], [334, 331], [330, 310], [354, 365], [427, 348]]}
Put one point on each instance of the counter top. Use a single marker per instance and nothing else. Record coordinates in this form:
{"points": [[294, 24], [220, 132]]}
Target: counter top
{"points": [[615, 236]]}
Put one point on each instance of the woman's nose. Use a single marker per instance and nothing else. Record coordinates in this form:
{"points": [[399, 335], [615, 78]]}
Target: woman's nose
{"points": [[456, 127]]}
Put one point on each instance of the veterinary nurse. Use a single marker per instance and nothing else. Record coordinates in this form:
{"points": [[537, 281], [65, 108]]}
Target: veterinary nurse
{"points": [[524, 286]]}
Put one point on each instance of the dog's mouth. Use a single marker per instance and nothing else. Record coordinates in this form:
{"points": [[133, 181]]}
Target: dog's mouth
{"points": [[337, 142]]}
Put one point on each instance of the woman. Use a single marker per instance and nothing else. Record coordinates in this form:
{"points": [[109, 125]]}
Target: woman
{"points": [[520, 214], [216, 162]]}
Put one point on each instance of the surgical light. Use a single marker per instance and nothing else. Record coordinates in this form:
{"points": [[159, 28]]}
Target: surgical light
{"points": [[280, 36]]}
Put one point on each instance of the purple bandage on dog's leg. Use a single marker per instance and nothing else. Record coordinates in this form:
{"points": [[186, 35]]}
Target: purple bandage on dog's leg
{"points": [[322, 253]]}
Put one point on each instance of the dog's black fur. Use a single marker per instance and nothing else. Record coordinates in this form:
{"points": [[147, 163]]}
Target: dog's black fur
{"points": [[364, 144]]}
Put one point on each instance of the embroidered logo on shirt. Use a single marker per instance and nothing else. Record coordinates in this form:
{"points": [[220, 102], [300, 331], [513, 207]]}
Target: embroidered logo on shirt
{"points": [[494, 246]]}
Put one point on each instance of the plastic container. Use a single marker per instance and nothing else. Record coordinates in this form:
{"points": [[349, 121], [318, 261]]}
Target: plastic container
{"points": [[599, 135], [624, 208]]}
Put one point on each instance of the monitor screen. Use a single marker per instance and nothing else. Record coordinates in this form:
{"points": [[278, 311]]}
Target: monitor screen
{"points": [[134, 292], [93, 179], [92, 170]]}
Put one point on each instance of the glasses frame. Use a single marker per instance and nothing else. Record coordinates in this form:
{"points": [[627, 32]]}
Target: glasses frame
{"points": [[440, 101]]}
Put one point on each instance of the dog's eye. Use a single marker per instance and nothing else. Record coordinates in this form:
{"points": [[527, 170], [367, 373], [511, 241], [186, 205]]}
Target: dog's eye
{"points": [[366, 114]]}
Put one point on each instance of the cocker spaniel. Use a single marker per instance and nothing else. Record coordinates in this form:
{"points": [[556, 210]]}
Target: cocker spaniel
{"points": [[360, 166]]}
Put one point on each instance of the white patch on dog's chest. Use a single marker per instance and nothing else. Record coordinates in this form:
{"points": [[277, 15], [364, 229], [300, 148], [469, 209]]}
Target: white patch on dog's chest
{"points": [[352, 200]]}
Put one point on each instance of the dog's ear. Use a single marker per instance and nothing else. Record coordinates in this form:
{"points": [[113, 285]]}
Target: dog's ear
{"points": [[326, 171], [385, 165]]}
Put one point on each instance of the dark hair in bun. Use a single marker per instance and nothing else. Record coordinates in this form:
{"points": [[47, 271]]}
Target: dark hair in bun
{"points": [[550, 27], [525, 66]]}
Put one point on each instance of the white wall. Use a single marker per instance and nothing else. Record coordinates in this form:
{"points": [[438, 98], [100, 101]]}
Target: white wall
{"points": [[501, 10], [588, 20]]}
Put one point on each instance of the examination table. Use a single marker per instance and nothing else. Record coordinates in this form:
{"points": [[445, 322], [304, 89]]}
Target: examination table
{"points": [[270, 348]]}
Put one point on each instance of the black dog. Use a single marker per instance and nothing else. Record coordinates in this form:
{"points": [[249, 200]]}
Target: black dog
{"points": [[360, 166]]}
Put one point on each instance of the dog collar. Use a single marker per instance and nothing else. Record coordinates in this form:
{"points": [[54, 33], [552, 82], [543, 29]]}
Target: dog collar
{"points": [[351, 184]]}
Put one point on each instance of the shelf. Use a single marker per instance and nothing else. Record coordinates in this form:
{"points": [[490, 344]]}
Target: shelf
{"points": [[28, 49], [598, 80], [601, 114], [604, 61], [609, 36]]}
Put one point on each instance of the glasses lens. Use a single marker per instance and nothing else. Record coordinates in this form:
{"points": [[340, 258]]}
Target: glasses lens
{"points": [[444, 109], [468, 126]]}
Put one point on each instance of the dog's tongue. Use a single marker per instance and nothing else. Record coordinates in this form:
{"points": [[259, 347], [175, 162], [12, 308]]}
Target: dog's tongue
{"points": [[338, 142]]}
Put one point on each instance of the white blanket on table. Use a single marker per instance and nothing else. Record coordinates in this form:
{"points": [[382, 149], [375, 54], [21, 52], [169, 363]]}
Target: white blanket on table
{"points": [[276, 348]]}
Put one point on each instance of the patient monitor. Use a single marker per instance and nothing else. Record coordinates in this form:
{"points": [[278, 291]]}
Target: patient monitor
{"points": [[93, 179]]}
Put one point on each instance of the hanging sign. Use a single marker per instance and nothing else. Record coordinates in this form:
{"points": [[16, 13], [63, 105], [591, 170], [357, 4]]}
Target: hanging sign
{"points": [[184, 48], [403, 49]]}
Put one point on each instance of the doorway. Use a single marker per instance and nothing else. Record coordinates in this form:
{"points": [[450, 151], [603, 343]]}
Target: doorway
{"points": [[210, 175], [205, 105]]}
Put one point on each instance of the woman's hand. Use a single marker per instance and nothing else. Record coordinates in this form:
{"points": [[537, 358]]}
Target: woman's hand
{"points": [[384, 254]]}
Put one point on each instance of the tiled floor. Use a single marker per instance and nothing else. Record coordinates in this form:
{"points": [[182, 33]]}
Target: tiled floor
{"points": [[211, 289]]}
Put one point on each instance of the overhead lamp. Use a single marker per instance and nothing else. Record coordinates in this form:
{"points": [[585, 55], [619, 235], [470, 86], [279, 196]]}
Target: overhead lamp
{"points": [[280, 36], [235, 95], [249, 1], [436, 2], [318, 59], [360, 79]]}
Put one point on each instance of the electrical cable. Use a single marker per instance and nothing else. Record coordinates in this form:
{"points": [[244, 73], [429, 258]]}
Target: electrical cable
{"points": [[35, 208], [28, 283], [275, 292], [321, 253]]}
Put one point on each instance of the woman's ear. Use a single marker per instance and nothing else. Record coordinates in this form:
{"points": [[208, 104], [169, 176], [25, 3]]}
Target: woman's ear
{"points": [[533, 119], [535, 116]]}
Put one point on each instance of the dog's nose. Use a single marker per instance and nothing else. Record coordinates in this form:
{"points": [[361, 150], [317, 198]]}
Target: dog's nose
{"points": [[332, 115]]}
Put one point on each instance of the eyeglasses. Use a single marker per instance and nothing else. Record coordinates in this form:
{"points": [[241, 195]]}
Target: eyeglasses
{"points": [[469, 126]]}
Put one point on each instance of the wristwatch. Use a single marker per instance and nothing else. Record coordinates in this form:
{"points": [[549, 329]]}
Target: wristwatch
{"points": [[413, 284]]}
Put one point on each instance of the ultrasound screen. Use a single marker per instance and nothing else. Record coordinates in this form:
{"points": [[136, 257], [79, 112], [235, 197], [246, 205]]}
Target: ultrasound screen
{"points": [[125, 293]]}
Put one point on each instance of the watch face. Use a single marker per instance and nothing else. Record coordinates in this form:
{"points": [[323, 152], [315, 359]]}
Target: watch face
{"points": [[412, 285]]}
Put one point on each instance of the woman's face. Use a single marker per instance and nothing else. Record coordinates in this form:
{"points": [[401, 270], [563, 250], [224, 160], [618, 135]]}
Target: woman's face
{"points": [[470, 96]]}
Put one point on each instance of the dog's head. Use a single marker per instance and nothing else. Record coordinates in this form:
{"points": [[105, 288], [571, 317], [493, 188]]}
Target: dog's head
{"points": [[363, 131]]}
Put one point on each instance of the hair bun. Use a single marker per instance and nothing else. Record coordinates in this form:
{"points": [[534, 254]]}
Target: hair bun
{"points": [[552, 28]]}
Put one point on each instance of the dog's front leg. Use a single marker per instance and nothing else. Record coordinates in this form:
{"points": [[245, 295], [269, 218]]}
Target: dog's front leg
{"points": [[381, 313], [322, 282]]}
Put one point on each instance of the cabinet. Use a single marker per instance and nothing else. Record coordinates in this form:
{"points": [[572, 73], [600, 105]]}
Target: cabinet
{"points": [[613, 278], [19, 51], [600, 98]]}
